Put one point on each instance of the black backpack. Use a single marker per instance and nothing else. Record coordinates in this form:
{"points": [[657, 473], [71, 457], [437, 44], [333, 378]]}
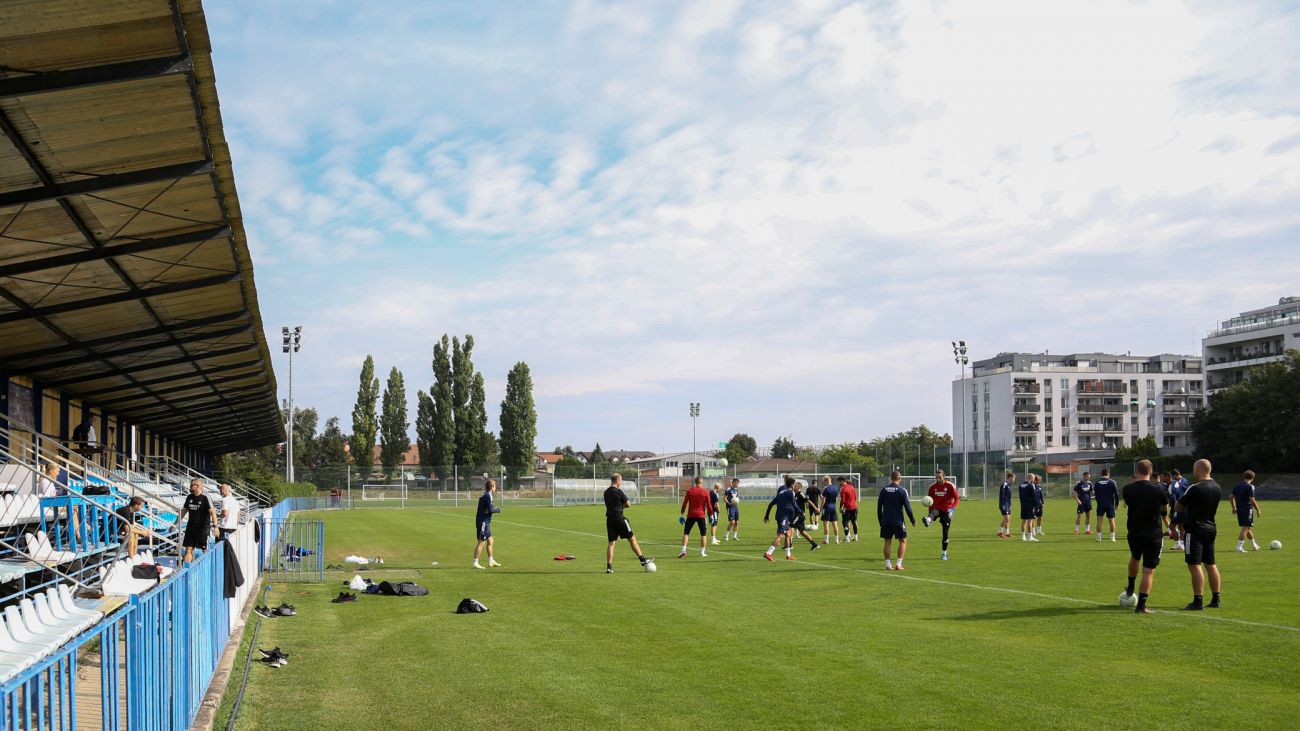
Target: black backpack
{"points": [[402, 588], [470, 606]]}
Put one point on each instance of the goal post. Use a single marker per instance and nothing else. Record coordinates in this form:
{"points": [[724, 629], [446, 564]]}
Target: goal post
{"points": [[590, 492], [383, 496]]}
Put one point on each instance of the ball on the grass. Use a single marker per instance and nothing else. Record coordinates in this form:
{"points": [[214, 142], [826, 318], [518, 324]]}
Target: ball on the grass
{"points": [[722, 462], [927, 501], [650, 567], [1127, 600], [1275, 545]]}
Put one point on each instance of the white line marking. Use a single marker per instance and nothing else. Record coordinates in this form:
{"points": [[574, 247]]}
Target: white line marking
{"points": [[909, 577]]}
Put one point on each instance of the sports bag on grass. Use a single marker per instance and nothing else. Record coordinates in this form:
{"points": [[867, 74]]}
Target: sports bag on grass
{"points": [[470, 606], [402, 588]]}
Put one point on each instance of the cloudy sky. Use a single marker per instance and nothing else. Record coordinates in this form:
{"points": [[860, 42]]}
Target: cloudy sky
{"points": [[783, 210]]}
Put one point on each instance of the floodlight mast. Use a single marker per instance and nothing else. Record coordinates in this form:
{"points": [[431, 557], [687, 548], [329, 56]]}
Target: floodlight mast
{"points": [[292, 342], [695, 455], [959, 357]]}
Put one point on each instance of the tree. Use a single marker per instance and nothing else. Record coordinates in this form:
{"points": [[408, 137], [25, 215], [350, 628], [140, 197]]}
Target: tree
{"points": [[740, 448], [365, 424], [916, 446], [518, 421], [784, 448], [424, 431], [394, 424], [1255, 424], [468, 432], [329, 446], [570, 468], [597, 454], [846, 456], [1144, 448], [442, 452], [304, 437], [476, 453]]}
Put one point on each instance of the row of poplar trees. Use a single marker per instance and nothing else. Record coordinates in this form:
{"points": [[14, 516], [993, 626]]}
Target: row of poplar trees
{"points": [[451, 417]]}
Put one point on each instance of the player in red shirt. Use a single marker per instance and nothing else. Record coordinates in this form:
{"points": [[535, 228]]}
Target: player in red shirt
{"points": [[849, 508], [945, 497], [696, 507]]}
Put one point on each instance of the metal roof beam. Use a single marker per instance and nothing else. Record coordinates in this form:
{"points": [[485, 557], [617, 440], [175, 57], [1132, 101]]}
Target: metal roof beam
{"points": [[115, 402], [162, 379], [101, 183], [127, 336], [184, 413], [84, 256], [142, 348], [110, 73], [116, 298], [122, 371]]}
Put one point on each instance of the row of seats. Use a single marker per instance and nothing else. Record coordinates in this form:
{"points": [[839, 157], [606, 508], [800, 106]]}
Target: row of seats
{"points": [[116, 579], [21, 509], [39, 625], [15, 478], [40, 549]]}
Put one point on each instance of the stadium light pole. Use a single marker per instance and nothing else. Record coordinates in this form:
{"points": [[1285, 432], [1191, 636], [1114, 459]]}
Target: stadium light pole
{"points": [[695, 455], [959, 357], [292, 341]]}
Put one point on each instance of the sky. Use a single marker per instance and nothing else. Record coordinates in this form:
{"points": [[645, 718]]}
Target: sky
{"points": [[782, 210]]}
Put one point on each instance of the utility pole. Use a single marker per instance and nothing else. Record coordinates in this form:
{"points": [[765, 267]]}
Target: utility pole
{"points": [[959, 357], [695, 455]]}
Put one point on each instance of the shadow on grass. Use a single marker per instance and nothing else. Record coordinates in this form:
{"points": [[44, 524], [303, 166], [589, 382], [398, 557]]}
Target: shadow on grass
{"points": [[1003, 615]]}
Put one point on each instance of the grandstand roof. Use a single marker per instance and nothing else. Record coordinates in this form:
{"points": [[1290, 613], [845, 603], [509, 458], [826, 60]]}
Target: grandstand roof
{"points": [[125, 278]]}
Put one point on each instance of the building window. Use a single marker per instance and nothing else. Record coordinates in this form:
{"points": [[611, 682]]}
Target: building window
{"points": [[1065, 422], [1048, 441], [1169, 442], [1065, 440]]}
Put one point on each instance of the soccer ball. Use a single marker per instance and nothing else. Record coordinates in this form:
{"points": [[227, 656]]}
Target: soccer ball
{"points": [[927, 501], [722, 462], [1127, 600], [650, 567], [1275, 545]]}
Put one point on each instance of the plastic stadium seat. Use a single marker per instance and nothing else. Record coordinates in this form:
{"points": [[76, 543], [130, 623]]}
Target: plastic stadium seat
{"points": [[49, 612], [18, 628], [38, 546], [9, 645], [71, 602], [65, 631], [56, 602]]}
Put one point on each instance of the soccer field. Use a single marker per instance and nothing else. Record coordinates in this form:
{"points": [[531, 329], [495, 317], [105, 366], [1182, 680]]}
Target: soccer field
{"points": [[1004, 635]]}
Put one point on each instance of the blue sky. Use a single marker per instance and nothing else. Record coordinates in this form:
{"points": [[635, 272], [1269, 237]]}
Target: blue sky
{"points": [[783, 210]]}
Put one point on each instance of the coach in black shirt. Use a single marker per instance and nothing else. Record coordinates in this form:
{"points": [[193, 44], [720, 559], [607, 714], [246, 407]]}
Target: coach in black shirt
{"points": [[616, 525], [1147, 505], [1198, 506]]}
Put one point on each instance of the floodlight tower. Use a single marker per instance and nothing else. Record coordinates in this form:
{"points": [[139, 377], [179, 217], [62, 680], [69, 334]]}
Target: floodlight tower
{"points": [[695, 455], [959, 357], [292, 341]]}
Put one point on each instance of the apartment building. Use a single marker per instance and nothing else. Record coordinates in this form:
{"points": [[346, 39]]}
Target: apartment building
{"points": [[1077, 404], [1250, 339]]}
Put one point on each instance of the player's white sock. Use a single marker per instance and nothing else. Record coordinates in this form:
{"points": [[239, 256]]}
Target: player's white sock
{"points": [[703, 553], [1256, 545], [1112, 537], [1241, 545], [789, 551], [770, 549], [889, 564]]}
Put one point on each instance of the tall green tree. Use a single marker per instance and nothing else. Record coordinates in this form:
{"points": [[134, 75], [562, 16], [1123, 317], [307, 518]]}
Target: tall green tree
{"points": [[1254, 424], [784, 448], [304, 437], [329, 446], [442, 451], [365, 422], [597, 454], [393, 424], [1144, 448], [518, 421], [424, 431], [740, 448], [482, 443], [468, 432]]}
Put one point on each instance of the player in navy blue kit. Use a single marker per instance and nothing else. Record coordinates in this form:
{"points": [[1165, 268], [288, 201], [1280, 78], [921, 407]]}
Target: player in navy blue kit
{"points": [[830, 516], [890, 507], [1038, 512], [786, 504], [714, 496], [1106, 492], [732, 498], [1199, 505], [483, 524], [1028, 509], [1083, 501], [1246, 508], [1004, 504]]}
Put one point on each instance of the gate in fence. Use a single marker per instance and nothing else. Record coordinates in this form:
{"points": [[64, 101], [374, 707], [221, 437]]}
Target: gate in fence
{"points": [[294, 550]]}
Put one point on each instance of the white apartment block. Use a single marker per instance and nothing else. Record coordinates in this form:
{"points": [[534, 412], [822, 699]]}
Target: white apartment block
{"points": [[1250, 339], [1083, 405]]}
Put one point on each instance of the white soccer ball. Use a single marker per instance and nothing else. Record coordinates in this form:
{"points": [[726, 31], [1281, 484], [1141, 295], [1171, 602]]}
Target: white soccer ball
{"points": [[927, 501], [722, 462], [1127, 600], [1275, 545], [650, 567]]}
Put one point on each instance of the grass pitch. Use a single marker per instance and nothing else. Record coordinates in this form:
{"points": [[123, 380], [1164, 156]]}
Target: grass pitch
{"points": [[1004, 635]]}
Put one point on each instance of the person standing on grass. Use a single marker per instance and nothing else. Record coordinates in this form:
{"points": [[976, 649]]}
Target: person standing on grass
{"points": [[798, 526], [849, 509], [1147, 504], [1004, 505], [814, 503], [487, 508], [229, 512], [1177, 488], [695, 506], [830, 518], [714, 496], [1083, 503], [1199, 504], [1028, 509], [200, 520], [786, 505], [945, 498], [1106, 493], [890, 507], [732, 496], [1042, 499], [1246, 508], [616, 525]]}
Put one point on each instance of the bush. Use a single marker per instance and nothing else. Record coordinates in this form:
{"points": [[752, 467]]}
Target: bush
{"points": [[280, 490]]}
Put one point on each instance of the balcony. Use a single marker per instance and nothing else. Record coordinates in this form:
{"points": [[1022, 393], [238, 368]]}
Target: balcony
{"points": [[1236, 326], [1027, 408], [1187, 409], [1031, 426], [1089, 428], [1101, 408], [1177, 429], [1026, 389], [1100, 387]]}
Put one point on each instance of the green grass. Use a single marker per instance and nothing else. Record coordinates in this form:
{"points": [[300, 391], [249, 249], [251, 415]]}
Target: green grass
{"points": [[1012, 635]]}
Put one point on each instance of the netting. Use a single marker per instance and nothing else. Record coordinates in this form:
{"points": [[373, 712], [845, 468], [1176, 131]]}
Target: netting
{"points": [[590, 492]]}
